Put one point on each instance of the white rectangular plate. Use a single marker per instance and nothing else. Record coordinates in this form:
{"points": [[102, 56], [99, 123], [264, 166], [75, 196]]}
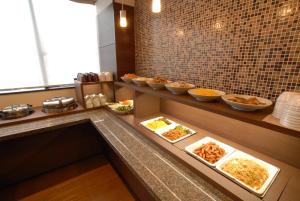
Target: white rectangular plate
{"points": [[190, 150], [144, 123], [159, 132], [273, 171]]}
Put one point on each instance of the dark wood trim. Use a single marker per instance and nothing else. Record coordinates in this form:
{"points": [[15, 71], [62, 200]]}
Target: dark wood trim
{"points": [[125, 42], [33, 155], [219, 107]]}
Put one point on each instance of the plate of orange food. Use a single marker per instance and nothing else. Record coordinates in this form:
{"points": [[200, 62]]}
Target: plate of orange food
{"points": [[202, 94]]}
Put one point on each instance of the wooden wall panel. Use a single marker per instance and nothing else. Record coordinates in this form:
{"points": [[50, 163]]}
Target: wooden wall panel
{"points": [[30, 156], [125, 45]]}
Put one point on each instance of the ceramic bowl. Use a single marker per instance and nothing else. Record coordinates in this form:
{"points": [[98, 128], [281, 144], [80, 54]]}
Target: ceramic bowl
{"points": [[140, 82], [178, 90], [127, 80], [243, 106], [156, 86], [199, 97]]}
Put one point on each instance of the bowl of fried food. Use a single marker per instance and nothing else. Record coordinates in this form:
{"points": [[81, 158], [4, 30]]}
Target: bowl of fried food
{"points": [[245, 102], [157, 83], [202, 94], [179, 87], [140, 81], [128, 77]]}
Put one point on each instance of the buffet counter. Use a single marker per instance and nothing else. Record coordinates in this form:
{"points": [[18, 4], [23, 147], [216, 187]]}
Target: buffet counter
{"points": [[165, 177], [168, 172]]}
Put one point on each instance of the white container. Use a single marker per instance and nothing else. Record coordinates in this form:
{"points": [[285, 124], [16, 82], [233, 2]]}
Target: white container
{"points": [[178, 90], [88, 101], [108, 76], [144, 123], [159, 132], [243, 106], [190, 150], [282, 101], [291, 117], [96, 100], [272, 170], [102, 77], [140, 81], [103, 99]]}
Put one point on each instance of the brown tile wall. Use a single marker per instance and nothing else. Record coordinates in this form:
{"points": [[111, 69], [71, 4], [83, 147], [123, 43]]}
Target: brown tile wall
{"points": [[239, 46]]}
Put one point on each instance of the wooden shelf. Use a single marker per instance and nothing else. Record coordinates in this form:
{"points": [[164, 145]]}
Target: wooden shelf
{"points": [[218, 107], [208, 173], [80, 92]]}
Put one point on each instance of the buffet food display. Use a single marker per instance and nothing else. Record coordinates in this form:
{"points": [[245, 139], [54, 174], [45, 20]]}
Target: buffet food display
{"points": [[202, 94], [175, 133], [157, 83], [122, 107], [249, 172], [157, 123], [168, 129], [128, 77], [246, 103], [140, 81], [209, 151], [179, 87], [236, 101]]}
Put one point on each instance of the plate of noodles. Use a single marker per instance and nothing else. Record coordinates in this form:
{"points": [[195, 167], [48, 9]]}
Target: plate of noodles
{"points": [[251, 173]]}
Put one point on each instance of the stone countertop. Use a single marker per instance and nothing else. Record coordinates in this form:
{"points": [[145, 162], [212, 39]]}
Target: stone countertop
{"points": [[165, 177]]}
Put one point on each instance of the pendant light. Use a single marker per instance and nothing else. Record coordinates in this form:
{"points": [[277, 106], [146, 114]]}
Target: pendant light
{"points": [[123, 19], [156, 6]]}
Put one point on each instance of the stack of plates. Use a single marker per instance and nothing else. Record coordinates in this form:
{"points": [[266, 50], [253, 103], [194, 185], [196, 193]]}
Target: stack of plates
{"points": [[282, 102], [287, 109]]}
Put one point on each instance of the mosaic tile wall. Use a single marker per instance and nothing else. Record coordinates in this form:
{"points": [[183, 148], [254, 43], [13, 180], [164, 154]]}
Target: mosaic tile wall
{"points": [[238, 46]]}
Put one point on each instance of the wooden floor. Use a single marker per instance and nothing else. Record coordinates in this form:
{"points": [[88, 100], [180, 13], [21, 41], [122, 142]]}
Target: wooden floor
{"points": [[89, 180]]}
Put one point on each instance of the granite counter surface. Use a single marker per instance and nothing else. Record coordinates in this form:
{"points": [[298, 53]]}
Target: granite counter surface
{"points": [[165, 177]]}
